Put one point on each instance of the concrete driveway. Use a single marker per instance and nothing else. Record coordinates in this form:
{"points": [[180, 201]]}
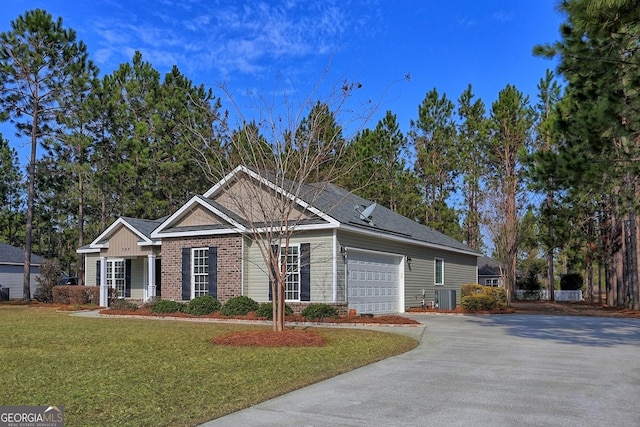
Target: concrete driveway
{"points": [[509, 370]]}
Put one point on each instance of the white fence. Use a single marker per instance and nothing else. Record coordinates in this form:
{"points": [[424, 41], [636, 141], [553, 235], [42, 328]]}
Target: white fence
{"points": [[574, 296]]}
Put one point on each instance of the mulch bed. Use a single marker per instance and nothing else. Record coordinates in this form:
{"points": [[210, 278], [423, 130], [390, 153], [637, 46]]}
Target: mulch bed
{"points": [[286, 338], [294, 318]]}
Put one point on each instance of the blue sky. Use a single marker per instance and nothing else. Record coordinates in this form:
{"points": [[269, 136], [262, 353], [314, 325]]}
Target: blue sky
{"points": [[257, 47]]}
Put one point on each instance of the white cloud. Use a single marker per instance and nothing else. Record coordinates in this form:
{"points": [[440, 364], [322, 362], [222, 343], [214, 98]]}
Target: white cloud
{"points": [[502, 16], [227, 36]]}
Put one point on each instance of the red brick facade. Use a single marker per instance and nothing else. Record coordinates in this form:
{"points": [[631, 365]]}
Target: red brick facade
{"points": [[229, 264]]}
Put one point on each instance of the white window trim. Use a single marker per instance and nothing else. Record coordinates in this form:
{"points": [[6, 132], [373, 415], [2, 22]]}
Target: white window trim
{"points": [[193, 273], [492, 282], [435, 271], [297, 246], [111, 268]]}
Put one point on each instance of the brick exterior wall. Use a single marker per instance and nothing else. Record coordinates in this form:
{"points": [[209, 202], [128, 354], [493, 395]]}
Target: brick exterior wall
{"points": [[229, 264]]}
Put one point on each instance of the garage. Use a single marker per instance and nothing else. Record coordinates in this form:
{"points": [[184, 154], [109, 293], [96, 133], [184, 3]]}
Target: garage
{"points": [[12, 270], [373, 282]]}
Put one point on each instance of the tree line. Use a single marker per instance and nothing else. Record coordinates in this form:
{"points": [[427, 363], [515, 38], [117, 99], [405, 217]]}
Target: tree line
{"points": [[550, 184]]}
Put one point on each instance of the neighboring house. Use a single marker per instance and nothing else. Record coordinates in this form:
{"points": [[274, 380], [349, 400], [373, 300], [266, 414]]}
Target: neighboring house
{"points": [[346, 252], [12, 270], [490, 272]]}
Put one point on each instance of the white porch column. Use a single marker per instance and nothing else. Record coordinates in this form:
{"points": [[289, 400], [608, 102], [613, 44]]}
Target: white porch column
{"points": [[104, 288], [151, 274]]}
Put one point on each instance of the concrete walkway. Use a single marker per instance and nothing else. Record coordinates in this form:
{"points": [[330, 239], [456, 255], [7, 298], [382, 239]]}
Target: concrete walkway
{"points": [[510, 370]]}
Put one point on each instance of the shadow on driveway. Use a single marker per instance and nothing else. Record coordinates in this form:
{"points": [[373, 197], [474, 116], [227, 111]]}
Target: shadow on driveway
{"points": [[591, 331]]}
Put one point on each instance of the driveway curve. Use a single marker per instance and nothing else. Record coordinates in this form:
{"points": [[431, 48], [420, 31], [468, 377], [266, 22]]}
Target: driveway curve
{"points": [[508, 370]]}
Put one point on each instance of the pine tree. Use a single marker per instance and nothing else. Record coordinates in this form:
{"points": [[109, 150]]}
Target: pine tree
{"points": [[510, 124], [433, 135], [600, 127], [38, 66], [471, 147], [11, 203]]}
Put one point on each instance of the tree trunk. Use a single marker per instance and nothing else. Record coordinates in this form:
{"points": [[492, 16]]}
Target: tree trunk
{"points": [[618, 265], [28, 239], [599, 282], [636, 239], [611, 284], [80, 270], [550, 272]]}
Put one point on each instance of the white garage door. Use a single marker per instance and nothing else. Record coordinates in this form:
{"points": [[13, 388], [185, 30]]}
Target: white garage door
{"points": [[373, 282]]}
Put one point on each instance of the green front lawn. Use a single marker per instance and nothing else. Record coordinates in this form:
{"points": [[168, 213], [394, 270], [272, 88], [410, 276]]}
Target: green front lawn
{"points": [[159, 372]]}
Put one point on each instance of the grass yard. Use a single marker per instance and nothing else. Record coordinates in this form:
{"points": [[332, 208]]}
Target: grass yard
{"points": [[158, 372]]}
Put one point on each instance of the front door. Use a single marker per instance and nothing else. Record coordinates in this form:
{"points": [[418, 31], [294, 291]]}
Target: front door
{"points": [[116, 276]]}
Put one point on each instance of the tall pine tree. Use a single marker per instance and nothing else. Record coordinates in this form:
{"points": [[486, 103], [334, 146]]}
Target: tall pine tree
{"points": [[38, 65]]}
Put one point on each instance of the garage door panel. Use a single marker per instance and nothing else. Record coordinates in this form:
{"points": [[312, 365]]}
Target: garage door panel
{"points": [[373, 283]]}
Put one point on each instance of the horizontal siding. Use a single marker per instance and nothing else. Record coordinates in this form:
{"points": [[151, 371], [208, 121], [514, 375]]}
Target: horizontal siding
{"points": [[12, 277], [90, 269], [256, 279], [419, 273], [138, 274]]}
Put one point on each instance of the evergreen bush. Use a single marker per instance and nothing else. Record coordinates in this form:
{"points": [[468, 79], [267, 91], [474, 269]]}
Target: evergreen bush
{"points": [[123, 304], [203, 305], [470, 289], [239, 306], [167, 306], [266, 310], [488, 298], [478, 302], [319, 311], [571, 282]]}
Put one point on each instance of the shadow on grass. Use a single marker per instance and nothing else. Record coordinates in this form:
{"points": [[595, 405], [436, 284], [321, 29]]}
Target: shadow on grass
{"points": [[589, 331]]}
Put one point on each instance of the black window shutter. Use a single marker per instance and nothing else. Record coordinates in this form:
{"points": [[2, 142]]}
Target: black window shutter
{"points": [[127, 278], [275, 251], [305, 272], [158, 277], [98, 272], [213, 272], [186, 274]]}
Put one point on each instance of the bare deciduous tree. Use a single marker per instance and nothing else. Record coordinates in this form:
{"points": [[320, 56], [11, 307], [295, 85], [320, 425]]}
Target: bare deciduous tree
{"points": [[299, 149]]}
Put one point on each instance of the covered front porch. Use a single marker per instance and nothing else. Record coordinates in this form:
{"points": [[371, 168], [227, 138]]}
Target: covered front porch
{"points": [[136, 278]]}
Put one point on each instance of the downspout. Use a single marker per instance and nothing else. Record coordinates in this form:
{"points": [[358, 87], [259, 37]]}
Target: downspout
{"points": [[335, 267]]}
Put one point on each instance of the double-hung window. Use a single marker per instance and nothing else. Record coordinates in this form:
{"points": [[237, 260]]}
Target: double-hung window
{"points": [[200, 272], [439, 271], [290, 258]]}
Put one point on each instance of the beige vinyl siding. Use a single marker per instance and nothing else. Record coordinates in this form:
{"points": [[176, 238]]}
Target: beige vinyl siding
{"points": [[90, 269], [198, 216], [138, 269], [124, 243], [243, 190], [256, 279], [419, 274]]}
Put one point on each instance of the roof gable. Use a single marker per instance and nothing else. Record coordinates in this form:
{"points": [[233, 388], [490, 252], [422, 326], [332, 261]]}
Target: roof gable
{"points": [[142, 228], [199, 216], [238, 191]]}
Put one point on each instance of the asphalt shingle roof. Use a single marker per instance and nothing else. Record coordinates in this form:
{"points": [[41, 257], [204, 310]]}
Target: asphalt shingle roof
{"points": [[12, 255], [145, 226], [346, 207]]}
